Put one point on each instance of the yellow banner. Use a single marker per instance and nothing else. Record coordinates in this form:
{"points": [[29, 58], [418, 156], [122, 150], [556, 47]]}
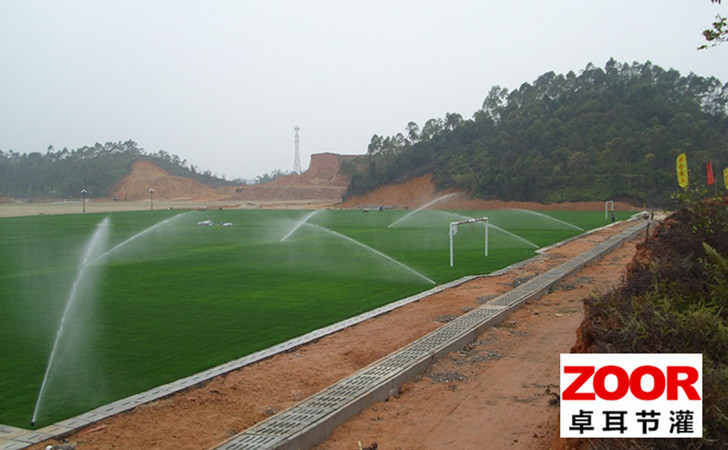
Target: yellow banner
{"points": [[682, 170], [725, 177]]}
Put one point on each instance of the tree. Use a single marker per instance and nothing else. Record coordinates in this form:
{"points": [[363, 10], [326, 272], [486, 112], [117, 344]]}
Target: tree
{"points": [[97, 168], [268, 177], [375, 145], [718, 34], [452, 120], [609, 132], [494, 103], [413, 132], [431, 128]]}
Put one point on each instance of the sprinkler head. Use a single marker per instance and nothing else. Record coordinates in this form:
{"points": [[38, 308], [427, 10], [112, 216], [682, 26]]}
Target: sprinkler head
{"points": [[32, 423]]}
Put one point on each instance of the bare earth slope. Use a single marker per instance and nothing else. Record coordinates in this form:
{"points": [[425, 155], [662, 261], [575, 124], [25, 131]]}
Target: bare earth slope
{"points": [[421, 191], [145, 175], [321, 183]]}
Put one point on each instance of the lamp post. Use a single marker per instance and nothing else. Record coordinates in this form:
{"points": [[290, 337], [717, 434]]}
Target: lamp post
{"points": [[83, 199], [151, 198]]}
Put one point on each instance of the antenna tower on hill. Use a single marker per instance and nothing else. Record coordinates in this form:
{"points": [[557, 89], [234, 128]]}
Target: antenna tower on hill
{"points": [[297, 157]]}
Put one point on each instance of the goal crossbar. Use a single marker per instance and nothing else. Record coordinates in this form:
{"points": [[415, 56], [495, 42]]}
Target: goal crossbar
{"points": [[454, 230]]}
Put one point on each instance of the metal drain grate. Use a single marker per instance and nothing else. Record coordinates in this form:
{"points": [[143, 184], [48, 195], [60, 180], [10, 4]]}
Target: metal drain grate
{"points": [[251, 441]]}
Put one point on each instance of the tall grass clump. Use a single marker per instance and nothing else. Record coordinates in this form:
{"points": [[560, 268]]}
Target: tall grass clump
{"points": [[674, 299]]}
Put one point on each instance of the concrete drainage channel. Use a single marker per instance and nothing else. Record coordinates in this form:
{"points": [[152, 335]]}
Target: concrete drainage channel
{"points": [[311, 421]]}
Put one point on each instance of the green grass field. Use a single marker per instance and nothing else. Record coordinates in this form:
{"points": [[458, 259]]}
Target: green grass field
{"points": [[181, 298]]}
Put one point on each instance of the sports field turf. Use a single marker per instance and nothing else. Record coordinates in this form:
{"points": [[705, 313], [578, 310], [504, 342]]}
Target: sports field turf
{"points": [[161, 299]]}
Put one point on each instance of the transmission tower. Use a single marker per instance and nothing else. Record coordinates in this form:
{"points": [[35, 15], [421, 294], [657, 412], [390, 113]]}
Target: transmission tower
{"points": [[297, 157]]}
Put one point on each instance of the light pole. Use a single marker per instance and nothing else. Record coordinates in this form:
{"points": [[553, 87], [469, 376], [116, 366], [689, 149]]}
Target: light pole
{"points": [[83, 199], [151, 198]]}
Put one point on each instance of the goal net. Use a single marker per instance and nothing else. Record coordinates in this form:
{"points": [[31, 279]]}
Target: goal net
{"points": [[454, 231]]}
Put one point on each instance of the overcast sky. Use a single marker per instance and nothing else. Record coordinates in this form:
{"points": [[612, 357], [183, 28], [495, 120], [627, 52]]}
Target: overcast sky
{"points": [[222, 83]]}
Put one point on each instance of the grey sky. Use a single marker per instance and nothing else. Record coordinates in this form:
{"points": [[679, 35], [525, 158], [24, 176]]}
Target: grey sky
{"points": [[223, 83]]}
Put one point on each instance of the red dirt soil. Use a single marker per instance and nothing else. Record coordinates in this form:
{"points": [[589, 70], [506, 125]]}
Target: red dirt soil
{"points": [[323, 185], [321, 182], [145, 175], [492, 395], [419, 191]]}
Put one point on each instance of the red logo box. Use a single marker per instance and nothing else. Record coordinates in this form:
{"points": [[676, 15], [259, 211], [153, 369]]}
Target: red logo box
{"points": [[632, 395]]}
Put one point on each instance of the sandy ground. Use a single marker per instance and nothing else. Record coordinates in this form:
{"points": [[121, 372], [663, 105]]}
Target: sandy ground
{"points": [[108, 206], [493, 394]]}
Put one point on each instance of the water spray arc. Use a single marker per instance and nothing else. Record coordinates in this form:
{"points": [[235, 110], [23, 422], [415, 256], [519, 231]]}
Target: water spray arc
{"points": [[490, 224], [300, 223], [92, 255], [551, 218], [375, 251], [526, 241], [94, 245], [142, 233], [420, 209]]}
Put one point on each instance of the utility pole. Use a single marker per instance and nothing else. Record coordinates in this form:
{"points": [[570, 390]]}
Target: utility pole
{"points": [[297, 157], [83, 199]]}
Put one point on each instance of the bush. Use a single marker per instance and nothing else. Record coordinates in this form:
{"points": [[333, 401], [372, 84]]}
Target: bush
{"points": [[674, 299]]}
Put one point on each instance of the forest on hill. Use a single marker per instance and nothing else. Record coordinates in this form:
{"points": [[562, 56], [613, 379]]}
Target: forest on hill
{"points": [[606, 133], [58, 174]]}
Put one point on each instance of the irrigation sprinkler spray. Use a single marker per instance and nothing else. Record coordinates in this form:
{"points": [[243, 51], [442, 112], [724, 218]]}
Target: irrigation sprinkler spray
{"points": [[92, 255], [553, 219], [406, 216], [375, 251], [93, 248], [299, 224]]}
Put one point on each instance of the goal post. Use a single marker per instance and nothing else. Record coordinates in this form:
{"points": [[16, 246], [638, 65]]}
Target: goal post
{"points": [[454, 230], [607, 204]]}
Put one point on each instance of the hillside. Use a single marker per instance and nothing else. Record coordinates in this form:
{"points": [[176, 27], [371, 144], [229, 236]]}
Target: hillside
{"points": [[611, 132], [97, 169], [606, 133], [145, 175], [421, 191], [125, 172], [322, 182]]}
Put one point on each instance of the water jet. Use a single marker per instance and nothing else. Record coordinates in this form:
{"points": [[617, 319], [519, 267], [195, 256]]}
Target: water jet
{"points": [[550, 218], [299, 224], [141, 233], [420, 209], [93, 248], [375, 251]]}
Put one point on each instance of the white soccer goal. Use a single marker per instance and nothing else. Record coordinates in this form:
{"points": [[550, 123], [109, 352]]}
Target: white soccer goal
{"points": [[607, 204], [454, 231]]}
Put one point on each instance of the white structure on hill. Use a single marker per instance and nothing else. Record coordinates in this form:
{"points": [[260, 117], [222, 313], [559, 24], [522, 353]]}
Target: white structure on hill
{"points": [[297, 157]]}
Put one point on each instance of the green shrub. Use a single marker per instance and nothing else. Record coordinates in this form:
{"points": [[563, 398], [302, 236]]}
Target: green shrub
{"points": [[673, 300]]}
